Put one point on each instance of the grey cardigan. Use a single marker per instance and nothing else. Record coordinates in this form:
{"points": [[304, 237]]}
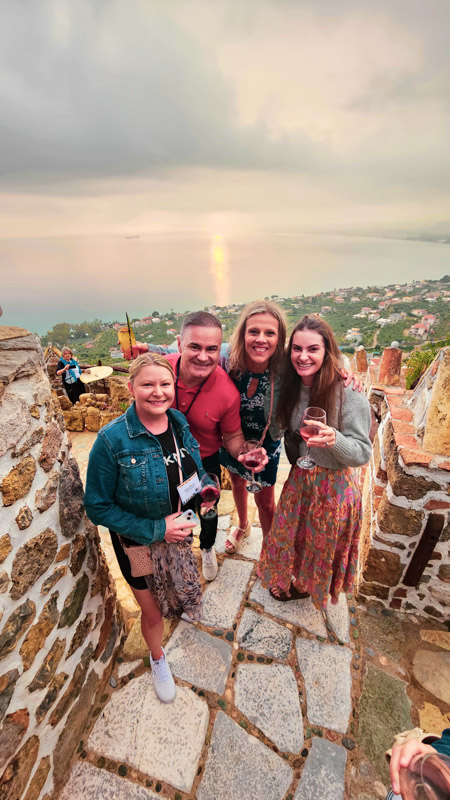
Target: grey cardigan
{"points": [[353, 445]]}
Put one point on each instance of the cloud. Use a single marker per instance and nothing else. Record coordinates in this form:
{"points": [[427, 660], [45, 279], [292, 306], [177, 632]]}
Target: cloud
{"points": [[106, 88], [349, 98]]}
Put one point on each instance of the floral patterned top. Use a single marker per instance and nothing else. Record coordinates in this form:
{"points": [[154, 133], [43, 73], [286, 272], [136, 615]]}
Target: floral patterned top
{"points": [[253, 423]]}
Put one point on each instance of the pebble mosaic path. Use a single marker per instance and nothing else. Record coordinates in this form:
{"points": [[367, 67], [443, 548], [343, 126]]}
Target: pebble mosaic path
{"points": [[271, 698], [262, 687]]}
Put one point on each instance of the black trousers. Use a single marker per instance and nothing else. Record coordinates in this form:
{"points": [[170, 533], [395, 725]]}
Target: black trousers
{"points": [[74, 390], [208, 527]]}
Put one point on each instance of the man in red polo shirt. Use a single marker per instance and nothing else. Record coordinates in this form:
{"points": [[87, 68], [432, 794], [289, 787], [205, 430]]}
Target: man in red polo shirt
{"points": [[209, 400]]}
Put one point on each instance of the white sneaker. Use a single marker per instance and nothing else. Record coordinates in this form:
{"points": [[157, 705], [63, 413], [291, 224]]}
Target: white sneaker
{"points": [[162, 679], [209, 564]]}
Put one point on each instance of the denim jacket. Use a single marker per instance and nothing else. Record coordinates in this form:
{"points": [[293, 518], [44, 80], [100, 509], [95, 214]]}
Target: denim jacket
{"points": [[126, 486]]}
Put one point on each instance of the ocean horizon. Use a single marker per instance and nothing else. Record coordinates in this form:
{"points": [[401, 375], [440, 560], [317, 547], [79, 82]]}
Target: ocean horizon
{"points": [[78, 278]]}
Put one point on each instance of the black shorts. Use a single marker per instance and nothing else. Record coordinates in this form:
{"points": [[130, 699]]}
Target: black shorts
{"points": [[124, 564]]}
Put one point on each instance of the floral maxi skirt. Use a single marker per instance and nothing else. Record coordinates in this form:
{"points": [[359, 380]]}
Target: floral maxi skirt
{"points": [[315, 534]]}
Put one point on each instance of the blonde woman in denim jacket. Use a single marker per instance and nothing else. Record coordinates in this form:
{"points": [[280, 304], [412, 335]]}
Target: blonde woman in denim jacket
{"points": [[131, 488]]}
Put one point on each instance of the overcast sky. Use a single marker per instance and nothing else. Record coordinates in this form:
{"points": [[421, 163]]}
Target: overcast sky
{"points": [[132, 116]]}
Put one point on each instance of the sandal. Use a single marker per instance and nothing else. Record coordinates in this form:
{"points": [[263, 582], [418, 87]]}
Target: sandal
{"points": [[236, 543], [291, 594]]}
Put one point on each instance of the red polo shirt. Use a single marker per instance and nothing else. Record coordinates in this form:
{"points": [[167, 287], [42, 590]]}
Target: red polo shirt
{"points": [[214, 412]]}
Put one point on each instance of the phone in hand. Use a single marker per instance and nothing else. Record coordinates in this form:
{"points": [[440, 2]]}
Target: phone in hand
{"points": [[189, 516]]}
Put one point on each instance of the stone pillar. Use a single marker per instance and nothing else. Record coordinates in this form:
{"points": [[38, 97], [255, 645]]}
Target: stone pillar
{"points": [[390, 367], [361, 359], [405, 534], [58, 622], [437, 427]]}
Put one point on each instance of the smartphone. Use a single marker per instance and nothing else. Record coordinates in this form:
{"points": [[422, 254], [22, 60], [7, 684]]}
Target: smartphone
{"points": [[189, 516]]}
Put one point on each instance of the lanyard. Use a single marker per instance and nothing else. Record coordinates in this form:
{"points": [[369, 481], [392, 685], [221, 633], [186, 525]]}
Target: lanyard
{"points": [[177, 373], [177, 453]]}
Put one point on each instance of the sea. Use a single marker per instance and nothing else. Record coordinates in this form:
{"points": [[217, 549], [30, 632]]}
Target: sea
{"points": [[73, 279]]}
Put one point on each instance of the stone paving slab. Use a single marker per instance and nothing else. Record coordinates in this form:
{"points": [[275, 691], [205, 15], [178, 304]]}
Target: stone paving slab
{"points": [[251, 546], [440, 638], [224, 522], [326, 671], [268, 696], [161, 740], [324, 772], [199, 658], [86, 782], [432, 670], [223, 597], [239, 766], [339, 618], [263, 636], [384, 710], [128, 666], [300, 612]]}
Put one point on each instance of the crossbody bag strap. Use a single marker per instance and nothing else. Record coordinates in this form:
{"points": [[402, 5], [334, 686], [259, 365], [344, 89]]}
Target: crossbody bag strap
{"points": [[269, 419]]}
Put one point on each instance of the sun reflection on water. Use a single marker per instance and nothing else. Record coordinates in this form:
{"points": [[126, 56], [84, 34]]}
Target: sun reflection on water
{"points": [[220, 269]]}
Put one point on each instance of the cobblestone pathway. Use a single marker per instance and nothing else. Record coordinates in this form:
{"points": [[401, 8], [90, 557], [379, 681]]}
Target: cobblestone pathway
{"points": [[267, 693]]}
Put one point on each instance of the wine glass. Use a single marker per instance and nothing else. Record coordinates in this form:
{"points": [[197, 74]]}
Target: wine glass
{"points": [[209, 493], [252, 458], [427, 777], [310, 416]]}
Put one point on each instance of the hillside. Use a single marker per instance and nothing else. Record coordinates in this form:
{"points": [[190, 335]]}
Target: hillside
{"points": [[411, 314]]}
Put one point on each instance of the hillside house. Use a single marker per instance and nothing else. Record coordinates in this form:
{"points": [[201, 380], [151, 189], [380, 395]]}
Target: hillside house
{"points": [[115, 353], [428, 320], [419, 330], [353, 335], [397, 316]]}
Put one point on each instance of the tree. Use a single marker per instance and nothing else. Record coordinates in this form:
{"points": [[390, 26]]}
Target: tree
{"points": [[59, 334]]}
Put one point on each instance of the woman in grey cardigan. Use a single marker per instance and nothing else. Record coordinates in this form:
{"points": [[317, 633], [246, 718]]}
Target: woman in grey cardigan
{"points": [[312, 546]]}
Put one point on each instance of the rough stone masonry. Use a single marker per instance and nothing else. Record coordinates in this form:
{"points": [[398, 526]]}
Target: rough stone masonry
{"points": [[58, 621]]}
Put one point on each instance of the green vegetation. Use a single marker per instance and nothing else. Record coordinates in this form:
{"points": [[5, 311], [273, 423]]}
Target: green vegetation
{"points": [[92, 341], [421, 359]]}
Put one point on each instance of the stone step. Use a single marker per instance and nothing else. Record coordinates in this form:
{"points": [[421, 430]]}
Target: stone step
{"points": [[87, 782], [299, 612], [324, 772], [326, 672], [199, 658], [240, 766], [263, 636], [163, 741], [223, 597], [268, 696]]}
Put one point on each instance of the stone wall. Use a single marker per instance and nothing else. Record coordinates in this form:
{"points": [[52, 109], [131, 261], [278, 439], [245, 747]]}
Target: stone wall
{"points": [[406, 493], [58, 621]]}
